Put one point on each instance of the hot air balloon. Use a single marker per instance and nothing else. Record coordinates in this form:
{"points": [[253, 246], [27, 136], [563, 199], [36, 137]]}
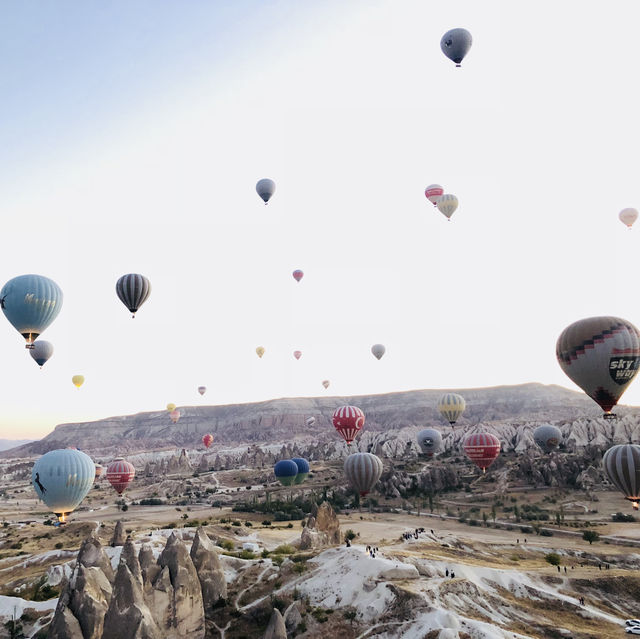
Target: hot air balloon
{"points": [[348, 421], [447, 204], [622, 465], [120, 473], [202, 390], [78, 380], [378, 350], [310, 421], [451, 406], [99, 471], [62, 478], [363, 471], [601, 355], [285, 471], [628, 216], [265, 189], [175, 416], [30, 303], [482, 449], [41, 352], [171, 406], [260, 351], [133, 290], [325, 383], [207, 440], [433, 193], [303, 469], [547, 437], [297, 354], [455, 44], [298, 275], [430, 441]]}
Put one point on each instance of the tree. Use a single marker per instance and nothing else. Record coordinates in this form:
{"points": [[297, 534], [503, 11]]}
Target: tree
{"points": [[350, 615], [349, 534], [590, 536], [552, 558], [516, 512]]}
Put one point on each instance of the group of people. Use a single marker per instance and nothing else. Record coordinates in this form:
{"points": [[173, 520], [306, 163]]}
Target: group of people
{"points": [[413, 535], [372, 550]]}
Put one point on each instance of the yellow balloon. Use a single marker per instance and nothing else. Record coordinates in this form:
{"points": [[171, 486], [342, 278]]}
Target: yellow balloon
{"points": [[78, 380], [260, 351], [171, 407]]}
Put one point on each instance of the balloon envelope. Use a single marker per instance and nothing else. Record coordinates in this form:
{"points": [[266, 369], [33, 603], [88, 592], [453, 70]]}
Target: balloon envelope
{"points": [[622, 466], [41, 352], [451, 406], [171, 407], [260, 351], [547, 437], [326, 383], [378, 350], [310, 421], [363, 471], [30, 303], [601, 355], [447, 204], [303, 469], [285, 471], [78, 380], [628, 216], [348, 421], [207, 440], [482, 449], [430, 441], [62, 478], [297, 354], [265, 189], [175, 416], [433, 193], [119, 474], [133, 290], [455, 44], [99, 471], [202, 390], [298, 275]]}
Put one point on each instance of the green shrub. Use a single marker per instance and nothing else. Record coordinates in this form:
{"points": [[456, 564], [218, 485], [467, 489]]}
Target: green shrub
{"points": [[552, 558]]}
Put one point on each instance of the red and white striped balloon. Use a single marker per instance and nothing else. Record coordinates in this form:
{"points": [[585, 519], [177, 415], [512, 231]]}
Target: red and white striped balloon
{"points": [[297, 354], [433, 193], [348, 421], [120, 473], [482, 449]]}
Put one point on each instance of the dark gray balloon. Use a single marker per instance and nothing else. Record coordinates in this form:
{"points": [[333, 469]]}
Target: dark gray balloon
{"points": [[265, 189], [455, 44], [430, 441], [547, 437], [133, 290], [363, 471], [622, 465]]}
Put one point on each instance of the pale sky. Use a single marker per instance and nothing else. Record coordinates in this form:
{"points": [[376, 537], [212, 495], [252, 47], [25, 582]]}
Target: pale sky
{"points": [[132, 136]]}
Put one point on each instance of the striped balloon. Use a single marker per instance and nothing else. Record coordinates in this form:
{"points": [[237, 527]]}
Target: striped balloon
{"points": [[119, 474], [30, 303], [433, 193], [298, 275], [622, 465], [602, 356], [62, 478], [348, 421], [133, 290], [482, 449], [451, 406], [363, 471], [447, 205], [297, 354]]}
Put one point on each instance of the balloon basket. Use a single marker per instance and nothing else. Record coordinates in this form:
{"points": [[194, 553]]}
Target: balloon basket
{"points": [[609, 416], [30, 346]]}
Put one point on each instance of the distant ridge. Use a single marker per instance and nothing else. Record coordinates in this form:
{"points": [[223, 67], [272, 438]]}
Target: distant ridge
{"points": [[283, 420]]}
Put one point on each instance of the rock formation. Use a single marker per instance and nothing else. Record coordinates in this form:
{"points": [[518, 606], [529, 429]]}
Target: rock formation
{"points": [[92, 553], [210, 573], [276, 628], [119, 536], [322, 529]]}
